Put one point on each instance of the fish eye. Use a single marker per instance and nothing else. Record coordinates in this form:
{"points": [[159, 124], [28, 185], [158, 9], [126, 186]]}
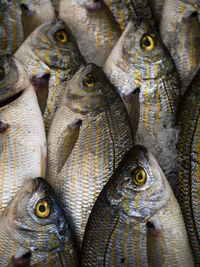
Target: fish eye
{"points": [[61, 36], [89, 80], [147, 42], [2, 73], [42, 209], [139, 176]]}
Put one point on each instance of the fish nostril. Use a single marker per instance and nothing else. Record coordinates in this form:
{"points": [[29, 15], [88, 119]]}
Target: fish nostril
{"points": [[136, 90], [150, 225], [24, 7]]}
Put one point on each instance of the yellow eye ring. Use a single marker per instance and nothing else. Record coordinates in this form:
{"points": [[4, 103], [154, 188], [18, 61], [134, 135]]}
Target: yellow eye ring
{"points": [[42, 209], [61, 36], [89, 80], [147, 42], [139, 176], [1, 74]]}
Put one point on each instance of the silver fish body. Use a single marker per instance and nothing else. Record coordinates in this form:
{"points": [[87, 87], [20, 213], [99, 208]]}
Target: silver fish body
{"points": [[188, 145], [93, 26], [180, 31], [34, 229], [136, 208], [35, 13], [51, 57], [11, 29], [22, 144], [125, 10], [89, 136], [141, 63]]}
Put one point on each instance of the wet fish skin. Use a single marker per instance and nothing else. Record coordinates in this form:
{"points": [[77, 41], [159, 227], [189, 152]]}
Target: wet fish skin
{"points": [[188, 120], [125, 10], [35, 13], [152, 73], [11, 29], [93, 26], [180, 31], [50, 64], [156, 6], [36, 238], [117, 233], [22, 145], [88, 137]]}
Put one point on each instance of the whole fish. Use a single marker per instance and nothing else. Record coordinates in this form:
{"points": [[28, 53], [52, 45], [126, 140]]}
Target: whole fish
{"points": [[35, 13], [51, 57], [188, 119], [11, 29], [136, 220], [180, 31], [141, 63], [22, 144], [88, 137], [125, 10], [93, 27], [34, 230]]}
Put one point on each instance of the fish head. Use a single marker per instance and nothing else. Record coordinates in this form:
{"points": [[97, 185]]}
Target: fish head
{"points": [[35, 13], [13, 78], [35, 218], [54, 45], [138, 56], [141, 185], [89, 90]]}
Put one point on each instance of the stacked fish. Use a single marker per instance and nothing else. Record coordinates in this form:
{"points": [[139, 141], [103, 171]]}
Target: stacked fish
{"points": [[99, 133]]}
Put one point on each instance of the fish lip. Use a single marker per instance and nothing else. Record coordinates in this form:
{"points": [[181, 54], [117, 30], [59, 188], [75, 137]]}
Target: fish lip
{"points": [[9, 100]]}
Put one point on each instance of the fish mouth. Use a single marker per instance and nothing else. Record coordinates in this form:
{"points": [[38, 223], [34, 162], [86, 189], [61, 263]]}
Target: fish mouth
{"points": [[10, 99]]}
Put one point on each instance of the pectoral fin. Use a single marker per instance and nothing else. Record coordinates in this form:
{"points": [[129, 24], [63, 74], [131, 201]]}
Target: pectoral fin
{"points": [[66, 142]]}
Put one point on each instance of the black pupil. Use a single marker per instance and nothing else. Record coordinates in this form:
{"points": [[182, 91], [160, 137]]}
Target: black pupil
{"points": [[61, 36], [140, 176], [42, 208], [147, 42], [90, 80]]}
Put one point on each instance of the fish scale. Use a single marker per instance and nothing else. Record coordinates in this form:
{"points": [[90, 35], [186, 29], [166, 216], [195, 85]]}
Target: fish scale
{"points": [[93, 26], [134, 225], [188, 118], [101, 141], [125, 10], [180, 31], [23, 145], [11, 30]]}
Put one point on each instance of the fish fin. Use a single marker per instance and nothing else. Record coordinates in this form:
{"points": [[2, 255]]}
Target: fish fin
{"points": [[66, 142], [22, 261], [41, 86]]}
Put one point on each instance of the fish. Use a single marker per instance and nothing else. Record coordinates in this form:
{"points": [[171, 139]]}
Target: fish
{"points": [[140, 63], [35, 13], [188, 120], [93, 27], [124, 10], [136, 220], [11, 28], [51, 57], [156, 6], [89, 135], [180, 32], [22, 144], [34, 229]]}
